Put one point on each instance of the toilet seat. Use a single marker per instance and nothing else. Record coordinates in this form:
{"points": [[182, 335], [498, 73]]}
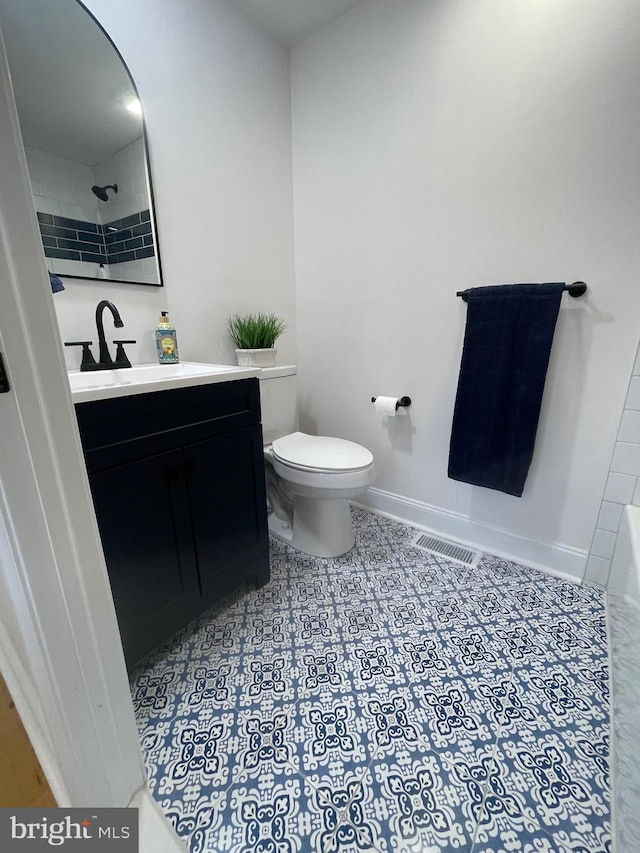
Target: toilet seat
{"points": [[321, 454]]}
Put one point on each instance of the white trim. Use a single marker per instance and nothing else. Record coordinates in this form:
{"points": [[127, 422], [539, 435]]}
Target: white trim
{"points": [[553, 559], [156, 834]]}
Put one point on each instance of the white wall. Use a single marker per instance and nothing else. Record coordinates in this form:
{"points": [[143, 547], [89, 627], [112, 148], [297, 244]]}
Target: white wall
{"points": [[216, 97], [442, 145], [139, 307]]}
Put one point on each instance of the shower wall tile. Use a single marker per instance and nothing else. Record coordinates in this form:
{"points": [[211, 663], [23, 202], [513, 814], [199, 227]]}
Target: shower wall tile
{"points": [[626, 458], [69, 211], [610, 515], [146, 252], [598, 571], [72, 239], [630, 427], [603, 544], [623, 484], [52, 178], [130, 238], [119, 241], [620, 488], [633, 397]]}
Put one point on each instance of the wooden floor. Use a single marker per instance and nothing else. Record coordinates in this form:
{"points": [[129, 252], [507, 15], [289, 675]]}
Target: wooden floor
{"points": [[22, 782]]}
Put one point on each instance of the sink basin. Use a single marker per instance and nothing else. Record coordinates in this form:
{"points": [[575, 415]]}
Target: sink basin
{"points": [[145, 378]]}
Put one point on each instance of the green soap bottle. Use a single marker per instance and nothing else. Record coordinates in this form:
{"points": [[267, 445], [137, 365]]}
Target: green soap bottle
{"points": [[166, 340]]}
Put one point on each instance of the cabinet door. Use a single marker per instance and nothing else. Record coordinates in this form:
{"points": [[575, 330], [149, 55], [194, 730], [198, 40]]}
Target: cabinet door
{"points": [[143, 516], [228, 505]]}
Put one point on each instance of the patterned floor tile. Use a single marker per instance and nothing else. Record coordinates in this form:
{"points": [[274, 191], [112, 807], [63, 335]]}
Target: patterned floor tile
{"points": [[388, 700], [422, 657], [263, 743], [375, 663], [505, 573], [393, 719], [456, 712], [410, 802], [553, 696], [548, 778], [279, 816], [332, 738], [504, 829], [264, 679], [320, 672]]}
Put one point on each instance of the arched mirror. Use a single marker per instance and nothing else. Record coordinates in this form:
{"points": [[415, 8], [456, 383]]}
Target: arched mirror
{"points": [[84, 143]]}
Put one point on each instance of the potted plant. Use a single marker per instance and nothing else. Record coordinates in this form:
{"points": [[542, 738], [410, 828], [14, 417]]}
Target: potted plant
{"points": [[254, 336]]}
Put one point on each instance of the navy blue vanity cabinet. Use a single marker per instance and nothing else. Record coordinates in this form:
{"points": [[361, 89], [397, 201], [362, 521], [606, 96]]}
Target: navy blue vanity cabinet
{"points": [[177, 479]]}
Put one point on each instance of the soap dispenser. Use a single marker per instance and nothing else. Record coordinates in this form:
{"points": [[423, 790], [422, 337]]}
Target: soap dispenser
{"points": [[166, 340]]}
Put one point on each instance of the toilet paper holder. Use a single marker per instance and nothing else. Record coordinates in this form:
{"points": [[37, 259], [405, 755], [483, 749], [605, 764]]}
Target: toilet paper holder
{"points": [[401, 402]]}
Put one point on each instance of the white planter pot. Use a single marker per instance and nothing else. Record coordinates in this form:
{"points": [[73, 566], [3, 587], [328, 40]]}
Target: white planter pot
{"points": [[256, 357]]}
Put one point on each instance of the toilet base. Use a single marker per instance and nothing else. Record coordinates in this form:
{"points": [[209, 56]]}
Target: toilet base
{"points": [[321, 528]]}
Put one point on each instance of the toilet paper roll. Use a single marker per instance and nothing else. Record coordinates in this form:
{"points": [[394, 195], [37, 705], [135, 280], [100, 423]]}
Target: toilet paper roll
{"points": [[386, 406]]}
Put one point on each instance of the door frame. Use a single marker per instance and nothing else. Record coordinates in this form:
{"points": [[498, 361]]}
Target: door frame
{"points": [[60, 649]]}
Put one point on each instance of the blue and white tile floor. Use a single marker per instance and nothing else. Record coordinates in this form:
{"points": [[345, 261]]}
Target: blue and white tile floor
{"points": [[385, 701]]}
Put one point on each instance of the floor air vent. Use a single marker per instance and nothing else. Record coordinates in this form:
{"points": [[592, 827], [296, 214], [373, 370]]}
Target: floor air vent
{"points": [[444, 548]]}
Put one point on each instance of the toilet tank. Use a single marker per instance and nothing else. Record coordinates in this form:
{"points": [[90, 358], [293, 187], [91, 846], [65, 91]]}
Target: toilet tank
{"points": [[278, 401]]}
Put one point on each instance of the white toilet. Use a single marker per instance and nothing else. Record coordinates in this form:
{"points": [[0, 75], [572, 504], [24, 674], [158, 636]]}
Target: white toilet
{"points": [[310, 478]]}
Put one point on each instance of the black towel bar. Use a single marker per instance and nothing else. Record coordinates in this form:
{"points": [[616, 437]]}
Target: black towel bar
{"points": [[578, 288]]}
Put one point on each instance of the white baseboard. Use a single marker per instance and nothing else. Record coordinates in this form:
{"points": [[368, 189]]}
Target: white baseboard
{"points": [[156, 834], [558, 560]]}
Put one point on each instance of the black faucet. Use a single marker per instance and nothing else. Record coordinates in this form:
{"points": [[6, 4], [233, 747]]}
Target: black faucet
{"points": [[104, 356], [105, 362]]}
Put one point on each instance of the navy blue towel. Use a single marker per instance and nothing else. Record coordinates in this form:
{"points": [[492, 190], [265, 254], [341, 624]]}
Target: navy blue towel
{"points": [[507, 344], [56, 283]]}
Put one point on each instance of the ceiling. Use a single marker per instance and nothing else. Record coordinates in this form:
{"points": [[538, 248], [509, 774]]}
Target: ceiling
{"points": [[291, 21]]}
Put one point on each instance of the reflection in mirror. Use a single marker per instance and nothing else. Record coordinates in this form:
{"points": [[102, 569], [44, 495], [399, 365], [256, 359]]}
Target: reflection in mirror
{"points": [[84, 142]]}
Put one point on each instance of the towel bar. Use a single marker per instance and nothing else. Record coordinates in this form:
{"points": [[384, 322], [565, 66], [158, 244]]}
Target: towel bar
{"points": [[578, 288]]}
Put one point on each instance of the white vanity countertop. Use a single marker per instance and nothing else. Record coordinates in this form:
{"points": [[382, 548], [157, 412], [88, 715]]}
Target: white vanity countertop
{"points": [[146, 378]]}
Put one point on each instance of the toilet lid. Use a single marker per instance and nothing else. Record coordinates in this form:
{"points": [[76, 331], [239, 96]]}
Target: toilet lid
{"points": [[321, 452]]}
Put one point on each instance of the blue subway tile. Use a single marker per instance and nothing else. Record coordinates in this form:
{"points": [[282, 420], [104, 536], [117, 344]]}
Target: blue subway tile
{"points": [[147, 252], [66, 254], [139, 230], [56, 231], [90, 237], [77, 245], [93, 257], [122, 258], [65, 222]]}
